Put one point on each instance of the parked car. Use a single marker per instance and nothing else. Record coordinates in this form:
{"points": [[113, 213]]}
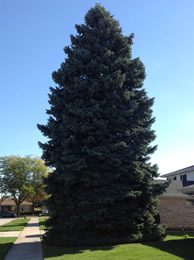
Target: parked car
{"points": [[7, 214]]}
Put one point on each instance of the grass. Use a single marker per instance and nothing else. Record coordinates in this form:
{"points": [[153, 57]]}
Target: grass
{"points": [[176, 246], [42, 222], [5, 245], [176, 235], [14, 225]]}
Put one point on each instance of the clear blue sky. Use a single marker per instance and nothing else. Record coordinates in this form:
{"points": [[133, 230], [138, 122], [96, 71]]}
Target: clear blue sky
{"points": [[33, 35]]}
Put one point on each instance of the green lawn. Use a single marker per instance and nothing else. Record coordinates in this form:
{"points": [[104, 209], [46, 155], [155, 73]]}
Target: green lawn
{"points": [[42, 222], [177, 245], [15, 225], [5, 245]]}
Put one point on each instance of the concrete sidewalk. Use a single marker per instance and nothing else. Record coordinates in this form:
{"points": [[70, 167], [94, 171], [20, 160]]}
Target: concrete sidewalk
{"points": [[28, 245], [10, 234]]}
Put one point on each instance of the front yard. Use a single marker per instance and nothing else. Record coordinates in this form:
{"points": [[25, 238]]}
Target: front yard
{"points": [[7, 242], [5, 245], [42, 222], [14, 225], [177, 246]]}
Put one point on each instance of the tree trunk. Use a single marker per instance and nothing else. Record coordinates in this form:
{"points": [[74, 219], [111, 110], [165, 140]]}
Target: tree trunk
{"points": [[18, 209], [33, 206]]}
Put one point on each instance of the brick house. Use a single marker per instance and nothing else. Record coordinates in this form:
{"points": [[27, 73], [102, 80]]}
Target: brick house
{"points": [[176, 207], [9, 205]]}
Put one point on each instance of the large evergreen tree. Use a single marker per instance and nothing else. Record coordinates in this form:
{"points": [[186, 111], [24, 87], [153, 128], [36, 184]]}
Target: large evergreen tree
{"points": [[99, 132]]}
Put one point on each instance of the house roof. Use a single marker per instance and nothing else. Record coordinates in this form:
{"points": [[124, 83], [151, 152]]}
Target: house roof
{"points": [[12, 203], [179, 172]]}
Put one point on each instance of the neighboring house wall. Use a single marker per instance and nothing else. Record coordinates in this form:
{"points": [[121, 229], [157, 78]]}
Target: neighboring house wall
{"points": [[187, 179], [176, 213], [44, 209], [26, 208], [8, 208], [185, 175], [190, 176], [176, 209], [11, 206]]}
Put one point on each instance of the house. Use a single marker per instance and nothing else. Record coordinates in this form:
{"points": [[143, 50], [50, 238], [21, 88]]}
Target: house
{"points": [[176, 207], [44, 207], [186, 176], [9, 205]]}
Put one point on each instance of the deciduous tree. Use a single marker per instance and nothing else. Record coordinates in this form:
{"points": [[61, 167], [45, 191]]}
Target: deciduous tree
{"points": [[37, 192], [21, 178]]}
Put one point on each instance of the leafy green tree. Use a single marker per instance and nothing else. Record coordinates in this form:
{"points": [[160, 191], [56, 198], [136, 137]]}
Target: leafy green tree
{"points": [[37, 192], [99, 133], [21, 178]]}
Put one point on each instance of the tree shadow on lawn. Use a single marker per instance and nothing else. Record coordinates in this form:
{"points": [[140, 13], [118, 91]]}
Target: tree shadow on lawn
{"points": [[52, 251], [181, 248], [14, 225], [4, 248]]}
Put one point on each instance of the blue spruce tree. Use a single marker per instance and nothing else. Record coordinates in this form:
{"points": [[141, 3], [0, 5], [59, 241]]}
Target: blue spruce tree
{"points": [[99, 130]]}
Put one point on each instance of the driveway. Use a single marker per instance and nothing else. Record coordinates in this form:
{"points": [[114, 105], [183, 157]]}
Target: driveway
{"points": [[5, 220]]}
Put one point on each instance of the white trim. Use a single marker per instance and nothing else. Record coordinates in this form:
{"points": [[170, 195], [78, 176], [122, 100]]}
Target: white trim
{"points": [[179, 172]]}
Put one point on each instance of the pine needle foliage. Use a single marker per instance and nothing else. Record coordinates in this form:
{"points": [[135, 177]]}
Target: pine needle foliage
{"points": [[99, 131]]}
